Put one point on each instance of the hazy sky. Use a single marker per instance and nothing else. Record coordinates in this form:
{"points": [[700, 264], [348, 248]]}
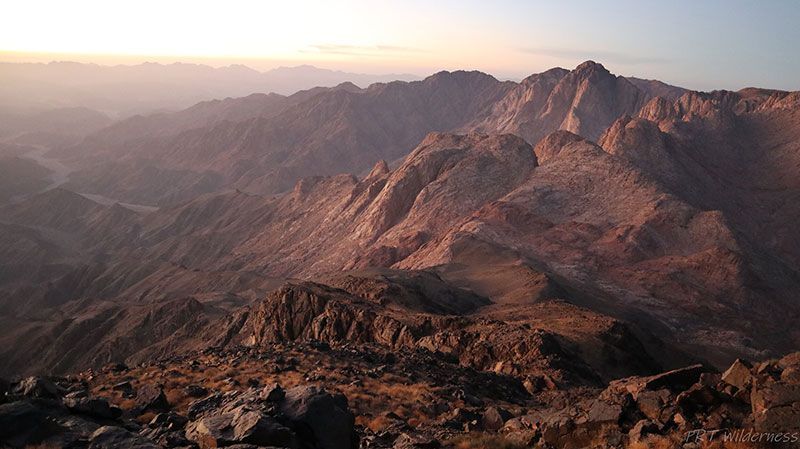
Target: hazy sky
{"points": [[698, 44]]}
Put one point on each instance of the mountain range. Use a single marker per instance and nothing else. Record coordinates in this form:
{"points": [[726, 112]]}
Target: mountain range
{"points": [[576, 227], [274, 141], [124, 90]]}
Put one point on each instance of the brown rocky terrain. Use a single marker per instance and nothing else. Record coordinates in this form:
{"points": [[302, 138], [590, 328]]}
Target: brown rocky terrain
{"points": [[571, 219], [313, 395], [569, 261]]}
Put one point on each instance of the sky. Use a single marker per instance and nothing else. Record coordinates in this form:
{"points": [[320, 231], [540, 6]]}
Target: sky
{"points": [[697, 44]]}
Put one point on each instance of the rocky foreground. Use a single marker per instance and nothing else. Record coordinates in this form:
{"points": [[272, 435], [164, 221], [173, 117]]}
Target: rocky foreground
{"points": [[311, 395]]}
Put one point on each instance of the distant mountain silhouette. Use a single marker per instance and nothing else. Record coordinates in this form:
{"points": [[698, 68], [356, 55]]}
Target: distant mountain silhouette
{"points": [[124, 90]]}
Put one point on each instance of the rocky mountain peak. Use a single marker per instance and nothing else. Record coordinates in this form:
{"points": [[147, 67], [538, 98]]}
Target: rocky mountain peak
{"points": [[553, 143], [588, 68], [471, 76], [380, 169], [447, 169], [554, 73], [348, 86]]}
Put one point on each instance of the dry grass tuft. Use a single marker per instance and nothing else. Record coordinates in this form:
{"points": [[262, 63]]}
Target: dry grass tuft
{"points": [[378, 423], [146, 417], [484, 441]]}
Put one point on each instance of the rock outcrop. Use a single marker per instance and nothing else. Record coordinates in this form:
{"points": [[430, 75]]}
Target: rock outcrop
{"points": [[680, 407], [305, 418], [508, 340]]}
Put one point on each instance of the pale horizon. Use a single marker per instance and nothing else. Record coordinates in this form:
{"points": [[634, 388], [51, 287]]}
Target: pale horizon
{"points": [[717, 45]]}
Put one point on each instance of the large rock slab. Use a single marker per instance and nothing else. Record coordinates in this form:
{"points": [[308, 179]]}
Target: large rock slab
{"points": [[775, 406], [739, 375], [113, 437], [320, 417], [241, 425], [93, 407], [152, 398]]}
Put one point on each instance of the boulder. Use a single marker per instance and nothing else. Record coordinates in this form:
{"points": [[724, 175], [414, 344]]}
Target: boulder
{"points": [[151, 398], [675, 380], [272, 393], [256, 428], [320, 418], [113, 437], [196, 391], [211, 431], [126, 388], [167, 430], [94, 407], [38, 387], [739, 374], [494, 418], [239, 426]]}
